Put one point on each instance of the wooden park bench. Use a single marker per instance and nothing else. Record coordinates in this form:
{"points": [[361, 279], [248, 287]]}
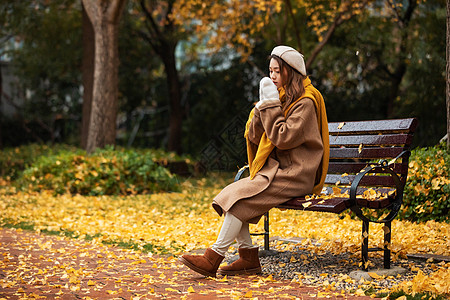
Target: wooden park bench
{"points": [[369, 164]]}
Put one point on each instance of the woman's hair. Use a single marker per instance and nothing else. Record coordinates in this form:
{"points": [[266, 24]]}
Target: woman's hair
{"points": [[293, 80]]}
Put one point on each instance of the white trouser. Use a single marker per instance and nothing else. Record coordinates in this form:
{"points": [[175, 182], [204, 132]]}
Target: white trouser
{"points": [[232, 229]]}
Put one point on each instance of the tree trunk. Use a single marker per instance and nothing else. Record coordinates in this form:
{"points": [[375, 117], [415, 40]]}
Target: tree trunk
{"points": [[176, 112], [396, 80], [104, 16], [87, 74], [401, 67], [102, 121], [448, 75], [163, 41], [1, 95]]}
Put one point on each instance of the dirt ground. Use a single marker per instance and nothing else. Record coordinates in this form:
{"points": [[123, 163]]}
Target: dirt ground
{"points": [[37, 266]]}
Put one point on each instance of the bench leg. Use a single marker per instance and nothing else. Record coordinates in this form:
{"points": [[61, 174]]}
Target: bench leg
{"points": [[365, 245], [387, 246], [266, 231]]}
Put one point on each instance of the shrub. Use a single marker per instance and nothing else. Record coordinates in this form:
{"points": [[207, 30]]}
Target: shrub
{"points": [[426, 195], [14, 160], [105, 172]]}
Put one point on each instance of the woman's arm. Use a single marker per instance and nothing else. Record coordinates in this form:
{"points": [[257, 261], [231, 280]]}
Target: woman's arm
{"points": [[256, 128], [287, 133]]}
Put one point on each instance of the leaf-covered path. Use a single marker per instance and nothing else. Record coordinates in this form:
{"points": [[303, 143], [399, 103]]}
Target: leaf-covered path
{"points": [[163, 223], [37, 266]]}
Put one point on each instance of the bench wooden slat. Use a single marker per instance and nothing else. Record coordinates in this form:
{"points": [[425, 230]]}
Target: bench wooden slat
{"points": [[367, 180], [373, 140], [355, 167], [377, 204], [365, 153], [360, 190], [375, 126], [334, 205]]}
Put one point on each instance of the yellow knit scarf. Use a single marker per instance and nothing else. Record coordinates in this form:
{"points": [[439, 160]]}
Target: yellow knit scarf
{"points": [[256, 160]]}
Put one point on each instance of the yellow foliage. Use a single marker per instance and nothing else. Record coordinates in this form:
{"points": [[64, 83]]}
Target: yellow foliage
{"points": [[437, 283], [179, 222], [222, 21], [183, 221]]}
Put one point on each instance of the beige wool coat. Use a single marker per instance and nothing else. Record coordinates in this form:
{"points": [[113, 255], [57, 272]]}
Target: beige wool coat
{"points": [[291, 168]]}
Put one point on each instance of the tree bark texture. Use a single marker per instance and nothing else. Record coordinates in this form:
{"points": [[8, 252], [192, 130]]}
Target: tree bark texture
{"points": [[104, 16], [87, 74]]}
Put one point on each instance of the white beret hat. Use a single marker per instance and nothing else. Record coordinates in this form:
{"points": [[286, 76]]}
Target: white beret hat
{"points": [[292, 57]]}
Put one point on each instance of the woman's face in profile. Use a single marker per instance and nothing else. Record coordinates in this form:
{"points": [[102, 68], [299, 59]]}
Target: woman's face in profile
{"points": [[275, 74]]}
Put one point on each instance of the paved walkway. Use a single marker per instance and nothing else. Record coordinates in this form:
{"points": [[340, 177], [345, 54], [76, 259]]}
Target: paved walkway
{"points": [[37, 266]]}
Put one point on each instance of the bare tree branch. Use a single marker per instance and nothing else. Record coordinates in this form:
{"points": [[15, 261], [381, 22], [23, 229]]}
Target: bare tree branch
{"points": [[252, 63], [394, 9], [154, 27], [403, 20], [8, 99], [115, 10], [91, 8], [297, 32], [338, 20], [324, 41], [149, 39]]}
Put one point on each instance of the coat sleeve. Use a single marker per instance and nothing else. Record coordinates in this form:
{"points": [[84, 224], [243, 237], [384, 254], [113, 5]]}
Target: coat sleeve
{"points": [[256, 128], [299, 127]]}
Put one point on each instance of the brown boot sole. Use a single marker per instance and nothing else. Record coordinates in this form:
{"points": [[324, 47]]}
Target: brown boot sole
{"points": [[253, 271], [195, 268]]}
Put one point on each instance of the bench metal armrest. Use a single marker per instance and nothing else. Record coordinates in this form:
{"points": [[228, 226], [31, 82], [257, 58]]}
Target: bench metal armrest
{"points": [[240, 172], [397, 200], [384, 162]]}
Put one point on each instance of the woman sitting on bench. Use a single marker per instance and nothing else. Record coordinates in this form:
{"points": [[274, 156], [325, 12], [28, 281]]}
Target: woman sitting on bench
{"points": [[288, 151]]}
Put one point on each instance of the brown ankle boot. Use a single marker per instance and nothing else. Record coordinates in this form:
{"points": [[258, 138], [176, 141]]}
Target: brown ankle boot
{"points": [[248, 263], [206, 264]]}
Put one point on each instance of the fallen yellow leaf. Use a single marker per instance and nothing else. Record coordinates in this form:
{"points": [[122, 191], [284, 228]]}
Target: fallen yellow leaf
{"points": [[224, 279], [306, 204], [249, 294], [374, 275], [359, 292]]}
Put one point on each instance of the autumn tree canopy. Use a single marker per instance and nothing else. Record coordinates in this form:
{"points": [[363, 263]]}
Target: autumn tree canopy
{"points": [[378, 57]]}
